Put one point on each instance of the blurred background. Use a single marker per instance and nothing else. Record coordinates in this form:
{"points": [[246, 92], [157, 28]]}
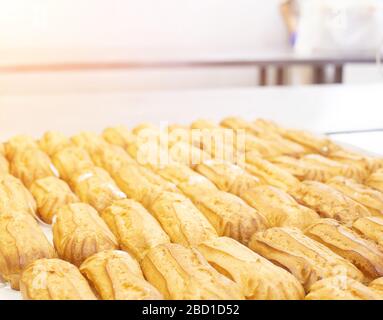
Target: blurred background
{"points": [[75, 65], [91, 45]]}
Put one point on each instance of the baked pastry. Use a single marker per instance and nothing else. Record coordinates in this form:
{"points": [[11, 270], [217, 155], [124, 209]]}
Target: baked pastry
{"points": [[50, 194], [229, 215], [368, 197], [279, 208], [31, 164], [181, 175], [227, 176], [4, 165], [70, 160], [375, 180], [111, 158], [88, 141], [95, 187], [370, 164], [335, 168], [270, 174], [302, 170], [265, 148], [371, 228], [15, 197], [54, 279], [18, 143], [119, 135], [341, 288], [258, 278], [377, 286], [187, 154], [307, 259], [181, 273], [21, 242], [141, 184], [136, 230], [364, 254], [204, 124], [181, 220], [53, 141], [115, 275], [329, 202], [79, 232]]}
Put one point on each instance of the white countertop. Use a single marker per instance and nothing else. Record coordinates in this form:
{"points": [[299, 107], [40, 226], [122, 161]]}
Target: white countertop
{"points": [[319, 108]]}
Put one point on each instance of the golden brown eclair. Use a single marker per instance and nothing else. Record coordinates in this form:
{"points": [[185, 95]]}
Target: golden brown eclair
{"points": [[53, 141], [375, 180], [366, 196], [111, 158], [329, 202], [370, 164], [228, 177], [119, 136], [279, 208], [15, 197], [307, 259], [229, 215], [115, 275], [377, 286], [95, 187], [371, 228], [70, 160], [181, 220], [54, 279], [336, 168], [4, 165], [341, 288], [50, 194], [181, 273], [271, 174], [258, 277], [79, 232], [136, 230], [21, 242], [187, 154], [18, 143], [141, 184], [364, 254], [31, 164], [88, 140], [302, 170]]}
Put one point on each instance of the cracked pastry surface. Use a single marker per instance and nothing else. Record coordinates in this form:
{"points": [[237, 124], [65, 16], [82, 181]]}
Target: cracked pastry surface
{"points": [[335, 168], [368, 197], [50, 194], [183, 273], [329, 202], [227, 176], [54, 141], [118, 135], [70, 160], [18, 143], [115, 275], [95, 187], [279, 208], [79, 232], [271, 174], [307, 259], [21, 242], [364, 254], [136, 230], [54, 279], [229, 215], [181, 220], [31, 164], [258, 277], [341, 288], [370, 227], [375, 180], [15, 197], [377, 286]]}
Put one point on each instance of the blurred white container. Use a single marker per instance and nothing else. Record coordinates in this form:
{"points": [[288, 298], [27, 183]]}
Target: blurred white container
{"points": [[349, 27]]}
